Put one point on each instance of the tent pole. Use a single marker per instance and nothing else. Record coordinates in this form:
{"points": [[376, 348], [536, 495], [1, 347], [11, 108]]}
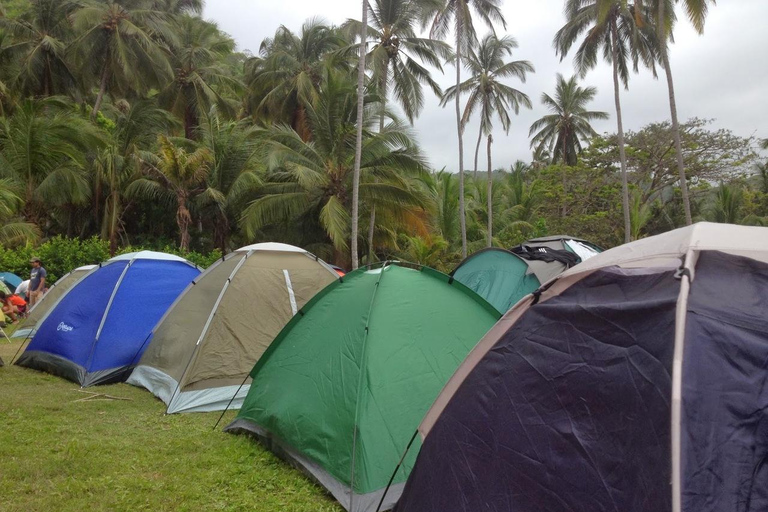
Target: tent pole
{"points": [[685, 275], [360, 385], [397, 468], [207, 326], [230, 402], [21, 346]]}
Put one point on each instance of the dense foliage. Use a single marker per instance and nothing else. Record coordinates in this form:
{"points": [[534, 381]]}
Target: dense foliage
{"points": [[136, 123]]}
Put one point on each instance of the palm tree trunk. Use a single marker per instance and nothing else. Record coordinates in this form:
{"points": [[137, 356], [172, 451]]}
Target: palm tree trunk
{"points": [[622, 150], [371, 232], [477, 148], [565, 181], [460, 130], [678, 140], [102, 90], [190, 122], [382, 115], [490, 193], [183, 220], [359, 141]]}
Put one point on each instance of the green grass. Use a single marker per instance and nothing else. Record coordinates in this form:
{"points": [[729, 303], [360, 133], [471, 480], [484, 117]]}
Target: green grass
{"points": [[60, 454]]}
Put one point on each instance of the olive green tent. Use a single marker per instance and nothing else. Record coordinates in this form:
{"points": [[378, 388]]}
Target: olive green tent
{"points": [[201, 352], [343, 387]]}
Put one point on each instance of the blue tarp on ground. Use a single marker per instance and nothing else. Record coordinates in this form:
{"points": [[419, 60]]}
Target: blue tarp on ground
{"points": [[99, 328]]}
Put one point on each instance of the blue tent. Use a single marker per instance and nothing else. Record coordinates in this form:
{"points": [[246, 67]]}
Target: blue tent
{"points": [[12, 281], [98, 330]]}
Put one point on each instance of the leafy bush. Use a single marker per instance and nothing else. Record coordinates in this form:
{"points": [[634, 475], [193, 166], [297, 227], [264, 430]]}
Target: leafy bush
{"points": [[60, 255]]}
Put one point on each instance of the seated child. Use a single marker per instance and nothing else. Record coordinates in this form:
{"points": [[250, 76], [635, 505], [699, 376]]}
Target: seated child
{"points": [[12, 305]]}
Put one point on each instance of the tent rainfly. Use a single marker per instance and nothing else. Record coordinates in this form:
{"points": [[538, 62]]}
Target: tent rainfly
{"points": [[97, 330], [10, 279], [40, 310], [504, 277], [643, 366], [204, 348], [342, 389]]}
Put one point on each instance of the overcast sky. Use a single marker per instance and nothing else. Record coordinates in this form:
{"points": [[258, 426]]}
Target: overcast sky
{"points": [[721, 75]]}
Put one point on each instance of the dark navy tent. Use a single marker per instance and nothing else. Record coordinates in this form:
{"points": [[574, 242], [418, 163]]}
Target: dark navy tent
{"points": [[637, 381], [97, 331]]}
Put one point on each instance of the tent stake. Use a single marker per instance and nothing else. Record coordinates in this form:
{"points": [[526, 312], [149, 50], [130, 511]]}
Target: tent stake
{"points": [[230, 402], [397, 468]]}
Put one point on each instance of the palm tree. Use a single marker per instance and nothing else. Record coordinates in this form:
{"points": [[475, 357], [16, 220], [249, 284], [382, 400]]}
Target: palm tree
{"points": [[460, 13], [728, 204], [38, 49], [43, 148], [136, 127], [697, 13], [119, 45], [617, 29], [175, 176], [568, 127], [176, 7], [487, 92], [14, 231], [359, 135], [396, 46], [395, 50], [310, 182], [564, 130], [233, 179], [287, 75], [199, 73]]}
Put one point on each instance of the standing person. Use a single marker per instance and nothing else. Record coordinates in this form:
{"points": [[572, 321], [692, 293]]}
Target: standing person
{"points": [[23, 290], [36, 281]]}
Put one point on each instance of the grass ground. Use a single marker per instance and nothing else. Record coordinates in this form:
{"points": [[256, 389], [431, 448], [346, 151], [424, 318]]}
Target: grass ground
{"points": [[60, 454]]}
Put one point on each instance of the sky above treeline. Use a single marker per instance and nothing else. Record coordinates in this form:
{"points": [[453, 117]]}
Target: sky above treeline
{"points": [[721, 75]]}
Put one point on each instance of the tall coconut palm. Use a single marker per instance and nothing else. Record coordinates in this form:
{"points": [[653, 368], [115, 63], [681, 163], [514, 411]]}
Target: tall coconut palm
{"points": [[179, 6], [119, 45], [614, 28], [359, 136], [38, 49], [491, 96], [396, 50], [287, 75], [310, 182], [697, 12], [175, 176], [563, 132], [393, 58], [568, 127], [442, 14], [199, 73]]}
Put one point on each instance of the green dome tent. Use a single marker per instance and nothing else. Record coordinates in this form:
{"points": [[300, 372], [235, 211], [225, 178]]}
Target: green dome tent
{"points": [[343, 387], [504, 277]]}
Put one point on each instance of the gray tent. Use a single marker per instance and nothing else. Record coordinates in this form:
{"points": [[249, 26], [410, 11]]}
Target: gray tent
{"points": [[40, 310], [645, 365], [202, 351]]}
